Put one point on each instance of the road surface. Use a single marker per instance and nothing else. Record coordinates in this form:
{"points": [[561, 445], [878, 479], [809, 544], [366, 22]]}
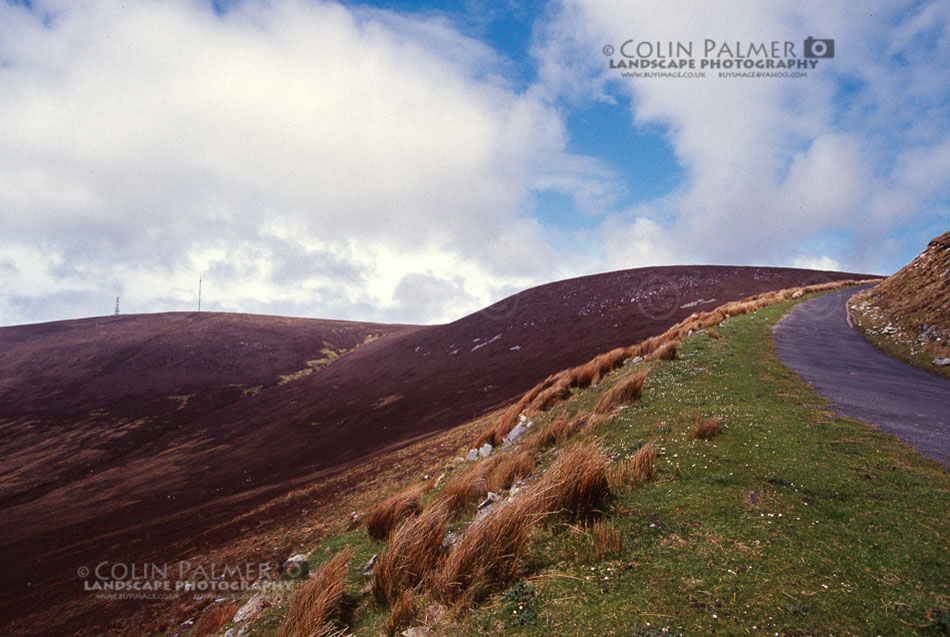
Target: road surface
{"points": [[816, 340]]}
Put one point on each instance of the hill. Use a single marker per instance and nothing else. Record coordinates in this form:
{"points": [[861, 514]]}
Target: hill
{"points": [[162, 436], [908, 314], [712, 492]]}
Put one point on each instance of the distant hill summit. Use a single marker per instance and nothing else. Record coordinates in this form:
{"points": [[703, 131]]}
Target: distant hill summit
{"points": [[908, 314]]}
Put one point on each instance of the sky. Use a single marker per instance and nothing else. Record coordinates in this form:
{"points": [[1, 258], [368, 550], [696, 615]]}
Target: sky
{"points": [[415, 161]]}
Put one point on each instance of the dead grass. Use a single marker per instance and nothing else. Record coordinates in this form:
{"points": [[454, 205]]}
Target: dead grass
{"points": [[414, 551], [551, 396], [489, 556], [404, 612], [510, 469], [625, 391], [634, 471], [386, 515], [215, 619], [704, 428], [319, 600], [606, 540], [468, 487], [562, 429], [713, 334], [576, 484], [666, 352]]}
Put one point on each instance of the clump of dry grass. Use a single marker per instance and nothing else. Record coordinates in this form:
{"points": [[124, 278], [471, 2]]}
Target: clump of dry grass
{"points": [[319, 599], [705, 428], [634, 471], [414, 551], [576, 484], [511, 468], [469, 486], [625, 391], [606, 540], [643, 464], [215, 619], [561, 429], [500, 427], [489, 555], [665, 352], [713, 334], [390, 512], [551, 396], [404, 612]]}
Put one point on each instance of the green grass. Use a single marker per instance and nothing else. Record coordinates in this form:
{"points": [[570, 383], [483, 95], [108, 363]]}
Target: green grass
{"points": [[846, 533]]}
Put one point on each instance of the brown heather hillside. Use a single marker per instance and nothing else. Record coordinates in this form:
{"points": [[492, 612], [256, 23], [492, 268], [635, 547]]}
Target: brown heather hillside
{"points": [[908, 314], [168, 436]]}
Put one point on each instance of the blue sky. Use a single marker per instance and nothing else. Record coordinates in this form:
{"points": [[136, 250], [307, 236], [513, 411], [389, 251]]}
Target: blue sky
{"points": [[414, 161]]}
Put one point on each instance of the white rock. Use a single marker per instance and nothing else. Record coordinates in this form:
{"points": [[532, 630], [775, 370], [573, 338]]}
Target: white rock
{"points": [[250, 610], [370, 565], [471, 455], [485, 450], [941, 362], [516, 432]]}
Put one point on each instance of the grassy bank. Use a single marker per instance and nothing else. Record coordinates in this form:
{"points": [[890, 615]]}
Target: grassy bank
{"points": [[789, 520]]}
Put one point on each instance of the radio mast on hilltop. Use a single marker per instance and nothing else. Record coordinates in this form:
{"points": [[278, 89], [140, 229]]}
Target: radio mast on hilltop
{"points": [[116, 306]]}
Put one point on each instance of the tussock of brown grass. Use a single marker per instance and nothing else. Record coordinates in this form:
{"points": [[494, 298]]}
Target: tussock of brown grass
{"points": [[643, 463], [318, 600], [414, 551], [404, 612], [489, 556], [561, 429], [625, 391], [390, 512], [576, 484], [666, 352], [705, 428], [606, 540], [215, 619], [469, 486], [713, 334], [510, 469], [633, 471], [550, 396], [500, 427]]}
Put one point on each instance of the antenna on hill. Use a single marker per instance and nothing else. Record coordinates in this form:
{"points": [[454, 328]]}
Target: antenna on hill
{"points": [[199, 294], [116, 306]]}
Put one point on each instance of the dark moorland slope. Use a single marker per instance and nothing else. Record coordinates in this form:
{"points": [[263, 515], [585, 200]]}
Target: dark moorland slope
{"points": [[127, 436]]}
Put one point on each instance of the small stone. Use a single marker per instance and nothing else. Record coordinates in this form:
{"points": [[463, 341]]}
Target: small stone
{"points": [[941, 362], [370, 565], [415, 631], [488, 501], [434, 613], [472, 455], [485, 450], [450, 539], [296, 565]]}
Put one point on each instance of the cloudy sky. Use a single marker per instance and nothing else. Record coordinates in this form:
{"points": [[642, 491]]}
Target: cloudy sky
{"points": [[414, 161]]}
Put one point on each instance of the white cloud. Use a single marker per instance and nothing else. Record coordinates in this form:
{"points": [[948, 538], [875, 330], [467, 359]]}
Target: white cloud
{"points": [[149, 143], [858, 147]]}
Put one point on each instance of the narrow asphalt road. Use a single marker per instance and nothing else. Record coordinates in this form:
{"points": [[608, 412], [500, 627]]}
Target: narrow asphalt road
{"points": [[816, 341]]}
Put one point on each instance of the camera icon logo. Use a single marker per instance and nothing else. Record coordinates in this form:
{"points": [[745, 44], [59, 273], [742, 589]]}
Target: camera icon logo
{"points": [[819, 48]]}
